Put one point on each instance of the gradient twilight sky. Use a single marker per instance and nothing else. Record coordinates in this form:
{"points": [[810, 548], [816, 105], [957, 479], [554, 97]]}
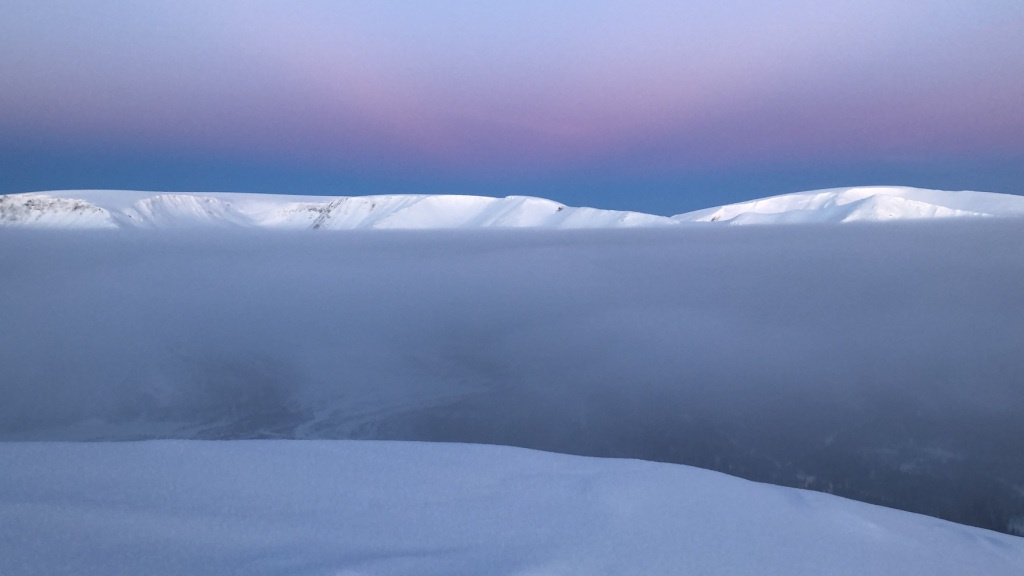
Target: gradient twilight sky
{"points": [[647, 105]]}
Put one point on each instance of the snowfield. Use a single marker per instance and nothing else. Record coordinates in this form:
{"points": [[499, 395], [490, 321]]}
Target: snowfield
{"points": [[130, 209], [382, 508]]}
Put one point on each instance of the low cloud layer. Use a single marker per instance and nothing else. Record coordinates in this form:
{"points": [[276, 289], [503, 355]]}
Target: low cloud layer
{"points": [[880, 362]]}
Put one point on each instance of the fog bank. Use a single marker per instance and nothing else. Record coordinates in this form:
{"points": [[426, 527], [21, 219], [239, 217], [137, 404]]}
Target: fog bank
{"points": [[881, 362]]}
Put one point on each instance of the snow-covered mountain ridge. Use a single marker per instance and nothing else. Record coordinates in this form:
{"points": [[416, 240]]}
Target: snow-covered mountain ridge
{"points": [[132, 209], [866, 203], [129, 209]]}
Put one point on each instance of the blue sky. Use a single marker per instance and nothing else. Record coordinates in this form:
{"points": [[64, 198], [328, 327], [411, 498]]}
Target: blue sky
{"points": [[655, 106]]}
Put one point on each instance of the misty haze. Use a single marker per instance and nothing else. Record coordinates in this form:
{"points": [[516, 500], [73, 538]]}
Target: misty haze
{"points": [[879, 362]]}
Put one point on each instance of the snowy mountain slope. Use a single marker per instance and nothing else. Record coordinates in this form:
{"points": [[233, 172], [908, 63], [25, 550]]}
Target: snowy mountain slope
{"points": [[131, 209], [396, 508], [869, 203], [181, 211], [48, 211], [126, 209]]}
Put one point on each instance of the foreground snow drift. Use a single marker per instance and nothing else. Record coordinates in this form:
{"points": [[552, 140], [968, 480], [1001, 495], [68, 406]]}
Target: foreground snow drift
{"points": [[349, 508]]}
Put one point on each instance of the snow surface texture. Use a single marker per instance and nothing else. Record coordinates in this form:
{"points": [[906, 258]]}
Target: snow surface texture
{"points": [[877, 362], [380, 508], [128, 209]]}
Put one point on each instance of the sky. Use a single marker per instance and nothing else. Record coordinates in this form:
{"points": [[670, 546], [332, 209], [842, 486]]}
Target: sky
{"points": [[661, 107]]}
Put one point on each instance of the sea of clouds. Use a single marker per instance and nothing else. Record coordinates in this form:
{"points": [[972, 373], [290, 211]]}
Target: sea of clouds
{"points": [[879, 361]]}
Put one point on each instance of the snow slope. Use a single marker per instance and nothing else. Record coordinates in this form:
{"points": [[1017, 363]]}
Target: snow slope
{"points": [[130, 209], [50, 211], [360, 508], [867, 203]]}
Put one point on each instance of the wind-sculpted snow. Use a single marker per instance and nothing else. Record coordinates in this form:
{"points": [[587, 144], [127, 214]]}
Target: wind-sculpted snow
{"points": [[877, 362], [389, 508]]}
